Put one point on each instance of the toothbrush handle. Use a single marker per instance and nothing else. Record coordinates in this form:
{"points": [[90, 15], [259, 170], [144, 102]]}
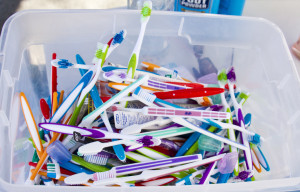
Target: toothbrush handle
{"points": [[64, 107], [189, 142], [262, 160], [223, 178], [159, 111], [31, 124], [207, 173], [171, 132], [75, 168]]}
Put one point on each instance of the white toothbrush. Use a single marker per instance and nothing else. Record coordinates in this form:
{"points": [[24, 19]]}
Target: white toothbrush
{"points": [[134, 59], [63, 63]]}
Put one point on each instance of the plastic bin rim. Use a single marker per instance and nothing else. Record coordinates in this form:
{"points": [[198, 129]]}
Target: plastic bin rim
{"points": [[6, 26]]}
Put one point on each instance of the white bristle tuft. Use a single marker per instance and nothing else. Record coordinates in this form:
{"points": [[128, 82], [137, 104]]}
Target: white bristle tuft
{"points": [[97, 159], [144, 96], [104, 175]]}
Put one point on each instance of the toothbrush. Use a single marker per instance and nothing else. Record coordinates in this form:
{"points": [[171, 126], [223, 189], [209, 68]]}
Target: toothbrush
{"points": [[152, 67], [182, 93], [96, 147], [238, 110], [255, 159], [87, 120], [121, 77], [121, 86], [96, 72], [132, 168], [171, 112], [155, 124], [94, 133], [133, 62], [151, 174], [262, 160], [139, 73], [31, 124], [134, 59], [222, 79], [148, 99], [117, 39], [65, 64]]}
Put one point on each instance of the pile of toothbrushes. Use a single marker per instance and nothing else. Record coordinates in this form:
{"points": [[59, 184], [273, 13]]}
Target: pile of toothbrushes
{"points": [[141, 125]]}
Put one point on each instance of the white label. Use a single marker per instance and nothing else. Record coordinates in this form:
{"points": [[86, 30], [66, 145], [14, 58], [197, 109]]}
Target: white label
{"points": [[124, 119]]}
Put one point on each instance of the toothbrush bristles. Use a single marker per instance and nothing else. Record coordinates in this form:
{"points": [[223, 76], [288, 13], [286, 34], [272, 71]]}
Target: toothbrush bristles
{"points": [[231, 75]]}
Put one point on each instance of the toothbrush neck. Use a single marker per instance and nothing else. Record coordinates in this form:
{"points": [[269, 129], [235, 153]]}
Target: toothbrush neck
{"points": [[139, 42]]}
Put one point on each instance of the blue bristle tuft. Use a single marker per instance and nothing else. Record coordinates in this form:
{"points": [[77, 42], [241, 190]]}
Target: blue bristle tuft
{"points": [[118, 38], [137, 90], [64, 63], [255, 139]]}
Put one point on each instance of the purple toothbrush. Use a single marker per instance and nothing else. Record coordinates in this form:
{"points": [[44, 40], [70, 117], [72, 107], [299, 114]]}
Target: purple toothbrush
{"points": [[131, 168]]}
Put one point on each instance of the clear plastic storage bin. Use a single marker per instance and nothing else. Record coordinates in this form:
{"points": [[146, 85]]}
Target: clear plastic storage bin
{"points": [[255, 47]]}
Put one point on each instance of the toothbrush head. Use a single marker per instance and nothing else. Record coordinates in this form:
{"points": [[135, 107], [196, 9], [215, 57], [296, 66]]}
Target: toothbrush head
{"points": [[119, 37], [255, 139], [99, 159], [148, 141], [222, 77], [99, 53], [231, 75], [242, 97], [247, 119], [90, 149], [216, 107], [59, 152], [243, 175], [228, 162], [144, 96], [145, 141], [146, 11], [61, 63]]}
